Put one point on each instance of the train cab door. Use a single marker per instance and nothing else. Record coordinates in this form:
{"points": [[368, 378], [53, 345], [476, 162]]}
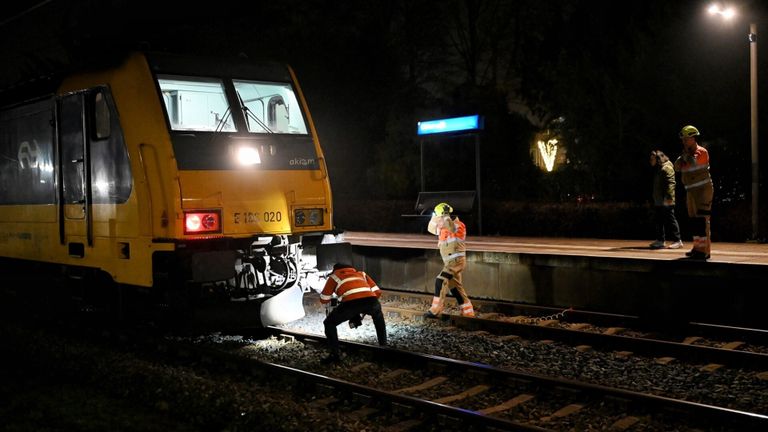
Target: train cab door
{"points": [[94, 173], [76, 225]]}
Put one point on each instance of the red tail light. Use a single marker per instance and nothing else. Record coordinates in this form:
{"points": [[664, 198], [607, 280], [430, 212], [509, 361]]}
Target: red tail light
{"points": [[202, 222]]}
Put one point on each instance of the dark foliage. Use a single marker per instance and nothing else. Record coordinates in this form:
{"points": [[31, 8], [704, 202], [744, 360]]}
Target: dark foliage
{"points": [[615, 79]]}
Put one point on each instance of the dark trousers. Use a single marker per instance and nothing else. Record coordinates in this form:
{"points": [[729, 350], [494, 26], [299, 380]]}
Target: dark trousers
{"points": [[666, 223], [348, 310]]}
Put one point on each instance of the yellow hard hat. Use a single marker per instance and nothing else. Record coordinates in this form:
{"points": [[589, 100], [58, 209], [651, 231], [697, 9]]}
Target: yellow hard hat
{"points": [[689, 131], [443, 208]]}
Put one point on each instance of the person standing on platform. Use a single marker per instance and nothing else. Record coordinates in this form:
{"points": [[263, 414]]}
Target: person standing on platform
{"points": [[664, 202], [358, 295], [693, 164], [452, 234]]}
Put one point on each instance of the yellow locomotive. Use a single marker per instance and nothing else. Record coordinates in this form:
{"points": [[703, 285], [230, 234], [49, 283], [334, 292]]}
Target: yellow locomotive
{"points": [[194, 180]]}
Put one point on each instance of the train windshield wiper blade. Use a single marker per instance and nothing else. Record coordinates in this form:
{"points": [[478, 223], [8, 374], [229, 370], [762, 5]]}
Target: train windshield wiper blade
{"points": [[223, 121], [250, 115]]}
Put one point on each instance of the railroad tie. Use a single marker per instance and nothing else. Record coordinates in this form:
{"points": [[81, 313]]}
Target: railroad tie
{"points": [[733, 345], [508, 405], [614, 330], [423, 386], [580, 326], [625, 423], [548, 323], [563, 412], [711, 367], [691, 340], [393, 374], [463, 395]]}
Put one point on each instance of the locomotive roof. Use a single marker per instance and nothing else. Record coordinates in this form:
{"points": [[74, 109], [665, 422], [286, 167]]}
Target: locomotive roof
{"points": [[163, 63], [233, 67]]}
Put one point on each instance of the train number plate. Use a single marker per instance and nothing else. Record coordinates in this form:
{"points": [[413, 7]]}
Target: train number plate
{"points": [[255, 217]]}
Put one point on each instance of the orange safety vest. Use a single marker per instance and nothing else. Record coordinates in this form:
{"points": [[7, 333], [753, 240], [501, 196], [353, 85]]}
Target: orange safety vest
{"points": [[694, 168], [451, 239], [349, 284]]}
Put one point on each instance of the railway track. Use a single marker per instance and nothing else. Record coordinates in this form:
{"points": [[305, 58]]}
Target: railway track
{"points": [[390, 389], [695, 342], [494, 396]]}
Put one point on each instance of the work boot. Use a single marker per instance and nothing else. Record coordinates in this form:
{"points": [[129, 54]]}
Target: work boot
{"points": [[699, 255]]}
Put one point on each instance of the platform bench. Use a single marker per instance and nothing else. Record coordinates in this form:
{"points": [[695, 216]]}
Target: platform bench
{"points": [[463, 203]]}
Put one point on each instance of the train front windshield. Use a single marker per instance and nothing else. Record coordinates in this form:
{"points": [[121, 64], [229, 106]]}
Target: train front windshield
{"points": [[200, 104]]}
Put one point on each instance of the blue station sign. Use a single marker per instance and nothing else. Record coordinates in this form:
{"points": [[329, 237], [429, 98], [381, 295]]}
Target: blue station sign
{"points": [[455, 124]]}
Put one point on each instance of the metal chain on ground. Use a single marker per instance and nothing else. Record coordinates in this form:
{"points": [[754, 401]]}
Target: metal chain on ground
{"points": [[556, 316]]}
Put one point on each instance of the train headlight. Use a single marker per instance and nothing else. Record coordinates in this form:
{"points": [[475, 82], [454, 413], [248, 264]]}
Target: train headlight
{"points": [[308, 217], [202, 222], [247, 155]]}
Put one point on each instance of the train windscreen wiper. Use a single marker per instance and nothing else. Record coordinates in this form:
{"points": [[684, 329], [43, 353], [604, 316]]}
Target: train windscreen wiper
{"points": [[222, 122], [250, 115]]}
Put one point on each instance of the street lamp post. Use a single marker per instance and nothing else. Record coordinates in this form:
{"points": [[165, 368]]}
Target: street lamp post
{"points": [[753, 115], [728, 13]]}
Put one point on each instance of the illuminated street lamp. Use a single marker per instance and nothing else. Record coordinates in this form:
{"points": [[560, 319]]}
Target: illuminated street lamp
{"points": [[727, 14]]}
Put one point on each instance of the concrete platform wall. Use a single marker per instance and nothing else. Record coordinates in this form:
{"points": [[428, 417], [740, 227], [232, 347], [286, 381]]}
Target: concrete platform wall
{"points": [[674, 291]]}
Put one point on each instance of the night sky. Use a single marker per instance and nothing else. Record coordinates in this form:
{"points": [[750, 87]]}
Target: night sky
{"points": [[624, 76]]}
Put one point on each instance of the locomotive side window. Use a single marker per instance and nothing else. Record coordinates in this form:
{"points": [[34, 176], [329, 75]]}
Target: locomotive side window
{"points": [[100, 116], [26, 154], [271, 107], [195, 104], [111, 177], [107, 158], [72, 148]]}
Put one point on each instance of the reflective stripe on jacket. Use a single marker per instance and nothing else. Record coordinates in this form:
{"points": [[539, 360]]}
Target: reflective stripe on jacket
{"points": [[451, 238], [349, 284], [694, 168]]}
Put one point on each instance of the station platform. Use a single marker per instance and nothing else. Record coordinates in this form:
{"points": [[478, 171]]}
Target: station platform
{"points": [[729, 253], [611, 276]]}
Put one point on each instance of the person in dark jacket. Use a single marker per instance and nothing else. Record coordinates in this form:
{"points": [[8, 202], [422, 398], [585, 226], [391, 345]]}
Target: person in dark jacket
{"points": [[664, 218], [358, 295]]}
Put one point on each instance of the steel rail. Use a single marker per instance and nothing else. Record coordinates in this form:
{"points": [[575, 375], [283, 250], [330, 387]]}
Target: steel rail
{"points": [[254, 367], [643, 345], [724, 416]]}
